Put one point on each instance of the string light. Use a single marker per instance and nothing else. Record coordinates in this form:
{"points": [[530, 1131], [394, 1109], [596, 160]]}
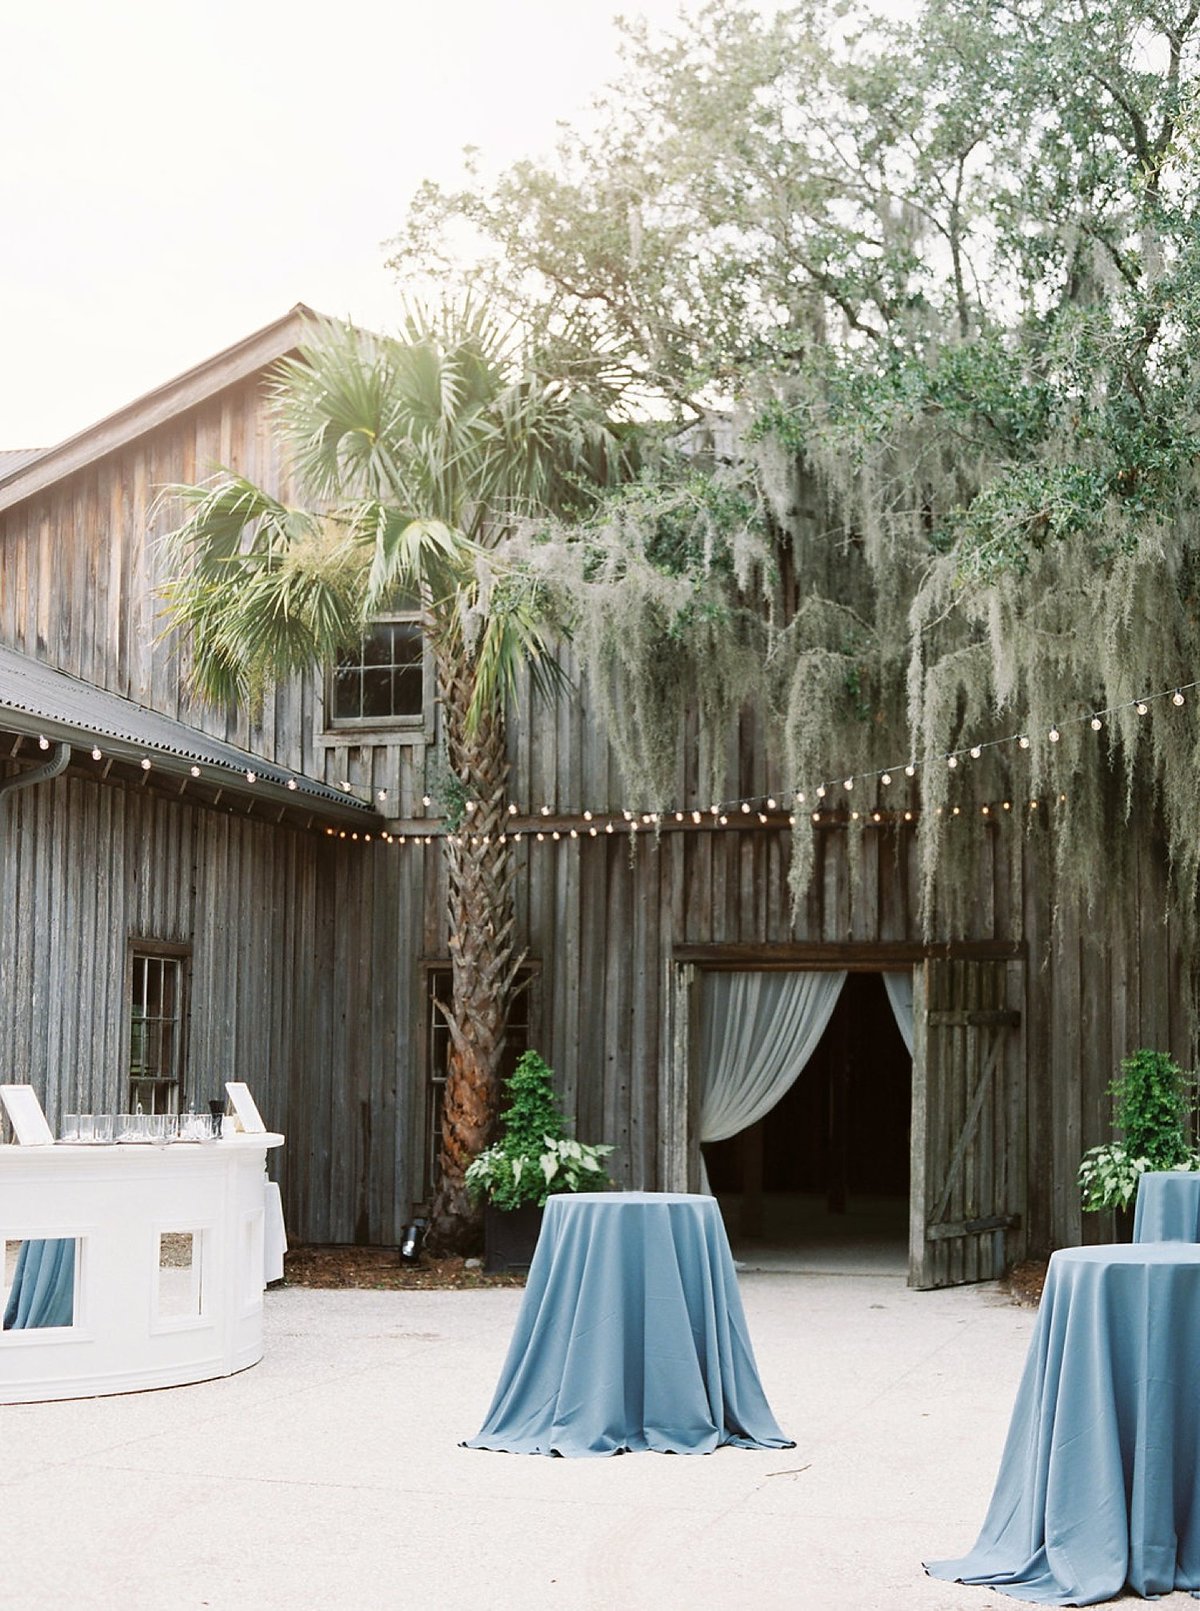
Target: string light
{"points": [[96, 754], [749, 806], [146, 763], [43, 742], [195, 771]]}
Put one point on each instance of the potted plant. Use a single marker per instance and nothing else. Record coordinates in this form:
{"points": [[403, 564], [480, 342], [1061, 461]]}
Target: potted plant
{"points": [[1153, 1104], [533, 1159]]}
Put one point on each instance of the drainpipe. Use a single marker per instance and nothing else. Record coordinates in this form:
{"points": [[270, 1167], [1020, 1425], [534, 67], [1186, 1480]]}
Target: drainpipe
{"points": [[58, 762]]}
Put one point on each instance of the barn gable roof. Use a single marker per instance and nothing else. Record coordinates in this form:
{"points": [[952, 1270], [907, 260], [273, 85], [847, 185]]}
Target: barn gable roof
{"points": [[34, 471], [38, 701]]}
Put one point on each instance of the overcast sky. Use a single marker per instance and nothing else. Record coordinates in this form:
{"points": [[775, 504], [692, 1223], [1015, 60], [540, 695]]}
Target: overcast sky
{"points": [[175, 175]]}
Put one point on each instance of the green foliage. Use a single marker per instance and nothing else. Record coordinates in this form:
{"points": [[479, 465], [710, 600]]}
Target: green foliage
{"points": [[1153, 1105], [416, 459], [534, 1157], [945, 276]]}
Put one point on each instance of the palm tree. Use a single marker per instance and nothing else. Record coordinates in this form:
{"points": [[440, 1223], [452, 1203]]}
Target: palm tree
{"points": [[416, 458]]}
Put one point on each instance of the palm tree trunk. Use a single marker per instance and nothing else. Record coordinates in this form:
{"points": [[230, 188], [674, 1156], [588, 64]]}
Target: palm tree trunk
{"points": [[482, 960]]}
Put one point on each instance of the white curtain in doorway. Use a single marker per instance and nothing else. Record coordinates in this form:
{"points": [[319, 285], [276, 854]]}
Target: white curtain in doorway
{"points": [[900, 994], [758, 1030]]}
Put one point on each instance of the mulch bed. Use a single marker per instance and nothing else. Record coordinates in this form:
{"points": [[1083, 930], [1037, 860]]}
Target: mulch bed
{"points": [[380, 1269], [1024, 1282]]}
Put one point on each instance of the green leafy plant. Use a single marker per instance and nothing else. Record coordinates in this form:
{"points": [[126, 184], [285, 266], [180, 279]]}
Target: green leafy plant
{"points": [[1153, 1104], [534, 1156]]}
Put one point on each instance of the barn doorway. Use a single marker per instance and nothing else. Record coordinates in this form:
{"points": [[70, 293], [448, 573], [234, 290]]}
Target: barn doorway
{"points": [[821, 1181]]}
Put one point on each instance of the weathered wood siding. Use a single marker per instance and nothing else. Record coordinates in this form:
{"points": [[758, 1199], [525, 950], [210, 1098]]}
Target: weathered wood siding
{"points": [[299, 982], [308, 952], [82, 565]]}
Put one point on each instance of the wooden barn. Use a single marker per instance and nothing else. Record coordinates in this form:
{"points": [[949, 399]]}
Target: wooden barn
{"points": [[190, 896]]}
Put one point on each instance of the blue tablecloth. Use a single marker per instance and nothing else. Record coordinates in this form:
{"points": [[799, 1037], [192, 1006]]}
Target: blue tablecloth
{"points": [[1168, 1207], [1099, 1485], [631, 1335], [43, 1286]]}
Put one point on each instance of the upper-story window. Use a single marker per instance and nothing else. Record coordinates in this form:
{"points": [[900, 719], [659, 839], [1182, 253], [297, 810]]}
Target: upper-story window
{"points": [[382, 682]]}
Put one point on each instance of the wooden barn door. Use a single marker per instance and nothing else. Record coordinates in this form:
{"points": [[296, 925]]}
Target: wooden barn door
{"points": [[968, 1121]]}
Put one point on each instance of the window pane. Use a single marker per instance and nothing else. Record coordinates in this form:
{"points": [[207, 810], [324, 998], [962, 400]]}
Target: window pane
{"points": [[347, 691], [377, 691]]}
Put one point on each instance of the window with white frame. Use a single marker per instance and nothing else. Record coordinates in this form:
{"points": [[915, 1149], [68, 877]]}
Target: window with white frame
{"points": [[157, 1026], [383, 680]]}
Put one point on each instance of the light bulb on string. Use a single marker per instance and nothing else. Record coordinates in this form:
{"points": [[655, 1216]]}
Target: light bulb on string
{"points": [[96, 753], [195, 771], [771, 806], [1023, 741], [1177, 697], [886, 779], [1096, 724], [910, 770], [1141, 707], [847, 783], [820, 791], [952, 762], [1054, 735], [976, 751]]}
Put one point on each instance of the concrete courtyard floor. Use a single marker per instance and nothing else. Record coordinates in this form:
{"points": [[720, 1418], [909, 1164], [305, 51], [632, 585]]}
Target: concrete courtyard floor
{"points": [[330, 1476]]}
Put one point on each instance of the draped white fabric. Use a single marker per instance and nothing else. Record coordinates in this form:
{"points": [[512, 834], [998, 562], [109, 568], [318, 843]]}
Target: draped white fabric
{"points": [[758, 1030], [900, 994]]}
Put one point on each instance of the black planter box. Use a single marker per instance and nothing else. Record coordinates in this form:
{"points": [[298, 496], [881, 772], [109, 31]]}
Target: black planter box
{"points": [[509, 1238]]}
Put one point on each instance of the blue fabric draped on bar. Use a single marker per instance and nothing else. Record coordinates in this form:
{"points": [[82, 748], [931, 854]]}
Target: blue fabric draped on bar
{"points": [[43, 1288]]}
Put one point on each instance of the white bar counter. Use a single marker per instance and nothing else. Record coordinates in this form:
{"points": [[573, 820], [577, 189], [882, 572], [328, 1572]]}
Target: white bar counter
{"points": [[168, 1263]]}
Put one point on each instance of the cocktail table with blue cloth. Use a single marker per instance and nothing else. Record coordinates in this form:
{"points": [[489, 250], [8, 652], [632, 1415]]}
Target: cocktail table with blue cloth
{"points": [[1099, 1484], [631, 1335], [1168, 1207]]}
